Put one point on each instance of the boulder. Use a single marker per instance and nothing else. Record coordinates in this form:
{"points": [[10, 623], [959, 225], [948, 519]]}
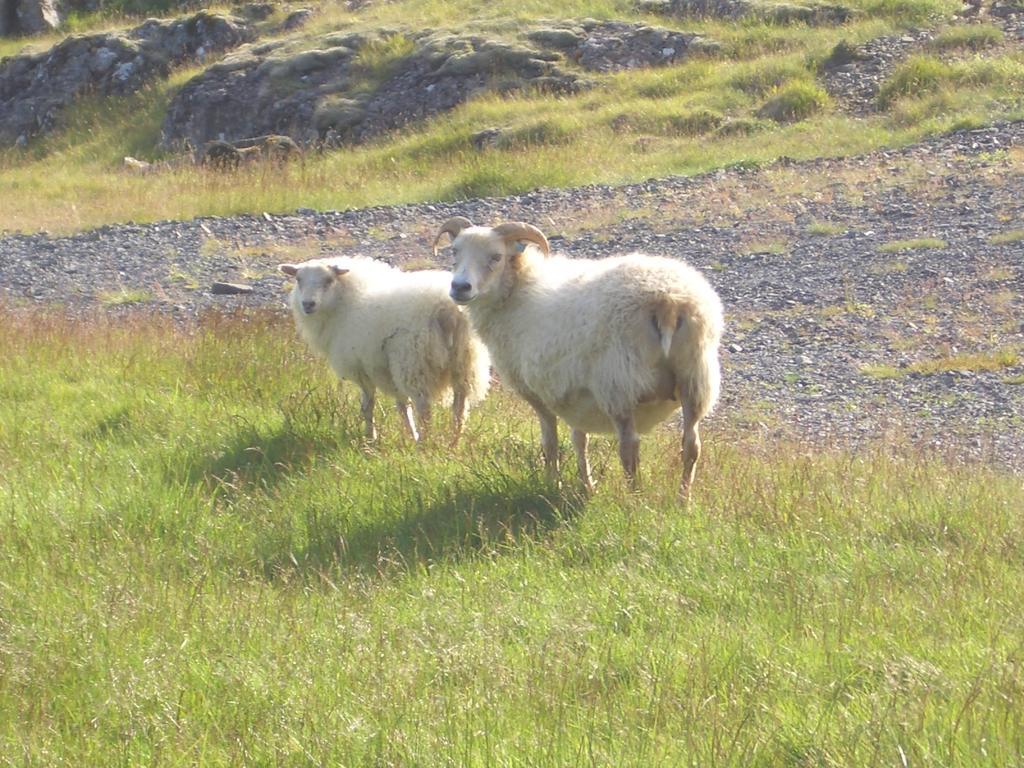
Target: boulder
{"points": [[345, 91], [610, 46], [35, 89], [28, 17]]}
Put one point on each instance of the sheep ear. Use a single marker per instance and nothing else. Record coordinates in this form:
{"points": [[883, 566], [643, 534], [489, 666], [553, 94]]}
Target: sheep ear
{"points": [[520, 246], [338, 271], [288, 269]]}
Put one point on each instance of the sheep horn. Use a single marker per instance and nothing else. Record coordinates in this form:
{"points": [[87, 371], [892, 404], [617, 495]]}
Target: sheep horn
{"points": [[517, 230], [452, 227]]}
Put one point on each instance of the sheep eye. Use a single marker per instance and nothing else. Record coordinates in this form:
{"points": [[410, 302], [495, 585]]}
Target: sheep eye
{"points": [[495, 257]]}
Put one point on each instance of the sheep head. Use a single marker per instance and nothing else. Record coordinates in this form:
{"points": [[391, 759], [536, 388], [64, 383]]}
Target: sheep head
{"points": [[485, 256], [313, 283]]}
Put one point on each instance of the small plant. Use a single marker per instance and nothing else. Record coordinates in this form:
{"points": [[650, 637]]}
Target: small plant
{"points": [[889, 268], [974, 37], [773, 247], [919, 244], [376, 59], [742, 126], [798, 100], [995, 360], [548, 132], [1005, 238], [123, 297], [759, 78], [916, 76], [998, 274], [825, 228]]}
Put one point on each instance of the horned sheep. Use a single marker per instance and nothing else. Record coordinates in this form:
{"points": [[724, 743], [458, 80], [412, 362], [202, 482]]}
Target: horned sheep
{"points": [[609, 345], [395, 331]]}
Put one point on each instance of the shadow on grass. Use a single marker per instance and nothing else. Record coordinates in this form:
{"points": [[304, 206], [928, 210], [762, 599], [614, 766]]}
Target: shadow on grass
{"points": [[482, 515], [255, 457], [315, 423]]}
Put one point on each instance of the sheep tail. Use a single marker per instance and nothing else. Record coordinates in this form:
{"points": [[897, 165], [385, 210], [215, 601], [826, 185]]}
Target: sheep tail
{"points": [[667, 318], [690, 336]]}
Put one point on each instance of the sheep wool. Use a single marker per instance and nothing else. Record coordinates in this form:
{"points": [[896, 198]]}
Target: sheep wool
{"points": [[393, 331], [609, 345]]}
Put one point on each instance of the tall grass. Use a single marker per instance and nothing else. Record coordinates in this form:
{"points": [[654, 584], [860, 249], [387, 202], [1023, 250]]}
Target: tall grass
{"points": [[201, 564]]}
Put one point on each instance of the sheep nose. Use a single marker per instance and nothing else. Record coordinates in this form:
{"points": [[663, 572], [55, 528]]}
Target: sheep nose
{"points": [[308, 306], [460, 288]]}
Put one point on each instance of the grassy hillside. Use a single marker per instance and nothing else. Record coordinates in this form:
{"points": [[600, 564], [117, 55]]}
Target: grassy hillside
{"points": [[686, 118], [202, 565]]}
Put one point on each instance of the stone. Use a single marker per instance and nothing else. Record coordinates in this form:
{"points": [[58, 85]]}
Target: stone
{"points": [[296, 19], [35, 89], [320, 96], [230, 289], [611, 46], [28, 17]]}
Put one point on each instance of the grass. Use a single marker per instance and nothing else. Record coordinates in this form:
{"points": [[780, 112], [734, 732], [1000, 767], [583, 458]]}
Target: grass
{"points": [[124, 296], [691, 117], [995, 360], [202, 565], [917, 244], [1005, 238], [825, 228], [973, 37]]}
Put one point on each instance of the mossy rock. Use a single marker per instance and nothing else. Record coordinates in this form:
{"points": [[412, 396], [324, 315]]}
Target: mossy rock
{"points": [[695, 123], [742, 126], [842, 54], [559, 39], [789, 13], [337, 113]]}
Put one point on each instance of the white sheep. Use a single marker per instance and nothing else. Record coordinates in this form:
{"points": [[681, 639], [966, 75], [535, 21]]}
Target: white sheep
{"points": [[610, 345], [395, 331]]}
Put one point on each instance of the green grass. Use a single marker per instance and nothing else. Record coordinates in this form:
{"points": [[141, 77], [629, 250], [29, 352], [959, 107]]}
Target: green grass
{"points": [[825, 228], [124, 296], [995, 360], [1005, 238], [973, 37], [692, 117], [201, 565], [917, 244], [795, 101]]}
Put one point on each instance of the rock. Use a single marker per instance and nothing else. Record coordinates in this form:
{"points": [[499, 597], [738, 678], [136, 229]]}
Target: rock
{"points": [[609, 46], [486, 139], [230, 289], [35, 89], [28, 17], [842, 54], [139, 166], [297, 19], [256, 11], [326, 96]]}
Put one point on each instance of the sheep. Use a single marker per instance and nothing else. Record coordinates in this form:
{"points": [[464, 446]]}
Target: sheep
{"points": [[610, 345], [390, 330]]}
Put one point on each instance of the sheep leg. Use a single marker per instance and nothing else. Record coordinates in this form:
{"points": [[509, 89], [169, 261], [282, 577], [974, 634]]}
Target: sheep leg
{"points": [[629, 448], [406, 415], [690, 453], [459, 409], [423, 413], [548, 434], [366, 403], [580, 439]]}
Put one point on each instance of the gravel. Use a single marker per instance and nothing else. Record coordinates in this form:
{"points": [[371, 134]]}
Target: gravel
{"points": [[824, 330]]}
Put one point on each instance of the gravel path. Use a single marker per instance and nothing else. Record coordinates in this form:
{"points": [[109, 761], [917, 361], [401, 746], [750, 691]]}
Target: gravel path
{"points": [[825, 329]]}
